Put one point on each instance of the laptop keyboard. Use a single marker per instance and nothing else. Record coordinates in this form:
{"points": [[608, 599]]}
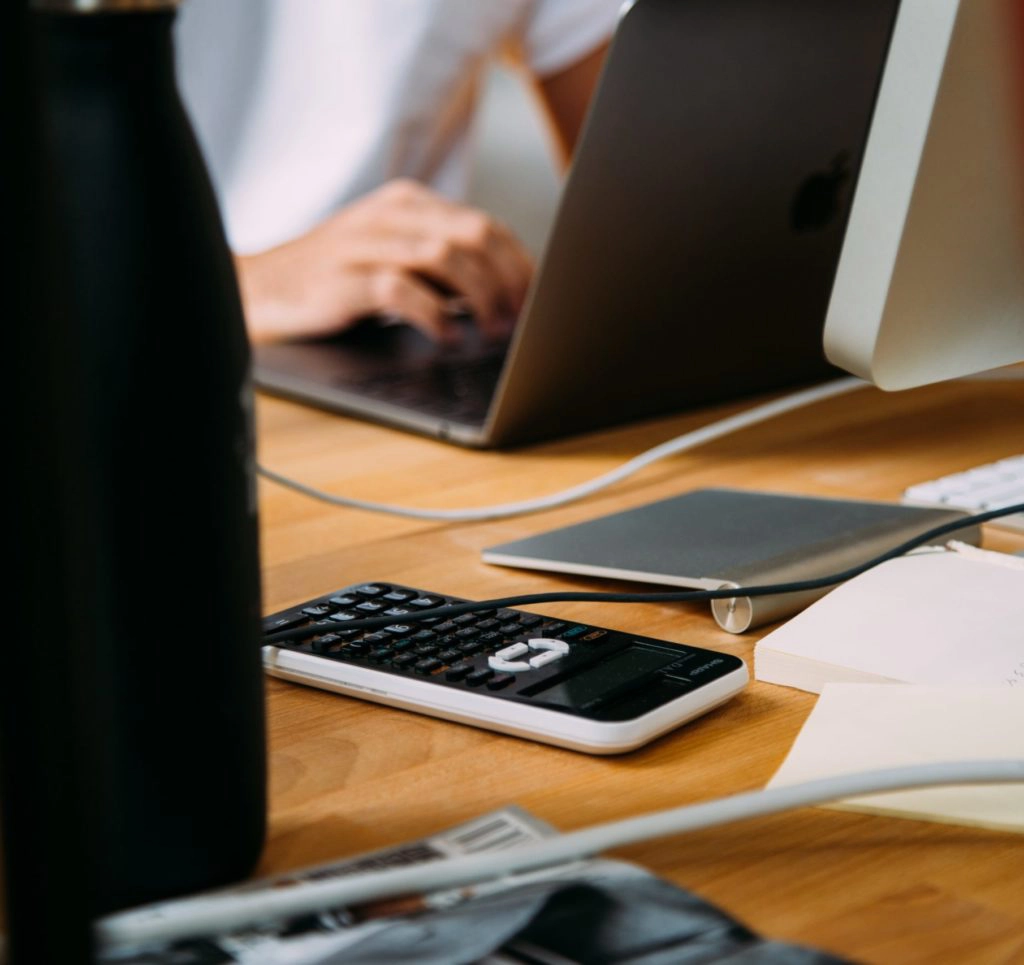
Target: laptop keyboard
{"points": [[456, 388]]}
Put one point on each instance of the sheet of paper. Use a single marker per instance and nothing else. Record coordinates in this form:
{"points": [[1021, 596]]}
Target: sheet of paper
{"points": [[858, 727], [929, 618]]}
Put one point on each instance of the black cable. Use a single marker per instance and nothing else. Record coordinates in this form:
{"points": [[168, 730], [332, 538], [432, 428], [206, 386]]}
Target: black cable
{"points": [[674, 596]]}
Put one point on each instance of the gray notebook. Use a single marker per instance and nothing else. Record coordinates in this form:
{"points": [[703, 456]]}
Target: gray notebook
{"points": [[713, 538]]}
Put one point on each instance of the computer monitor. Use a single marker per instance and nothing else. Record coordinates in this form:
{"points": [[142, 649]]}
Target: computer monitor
{"points": [[930, 282]]}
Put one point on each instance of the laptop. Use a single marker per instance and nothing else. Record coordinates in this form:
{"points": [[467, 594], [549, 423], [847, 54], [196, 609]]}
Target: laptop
{"points": [[694, 248]]}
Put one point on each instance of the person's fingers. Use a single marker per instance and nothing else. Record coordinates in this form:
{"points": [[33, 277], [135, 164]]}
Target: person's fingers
{"points": [[462, 248], [505, 255], [390, 291]]}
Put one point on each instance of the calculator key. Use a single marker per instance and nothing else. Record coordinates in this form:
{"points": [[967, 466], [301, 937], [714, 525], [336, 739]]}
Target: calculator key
{"points": [[370, 607], [324, 643], [379, 638], [343, 617], [507, 666], [491, 638], [277, 624], [485, 613], [422, 635], [397, 611], [400, 646], [397, 629], [320, 610], [479, 676], [450, 656], [556, 626], [404, 659], [472, 646], [459, 671], [426, 649], [543, 659], [399, 596], [381, 654], [426, 602], [344, 600], [371, 590], [500, 680], [428, 666], [543, 643], [488, 625], [574, 632], [445, 627], [466, 633], [509, 629], [510, 653], [463, 618]]}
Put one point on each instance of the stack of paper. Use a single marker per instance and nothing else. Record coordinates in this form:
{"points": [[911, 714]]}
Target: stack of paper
{"points": [[939, 617], [859, 727]]}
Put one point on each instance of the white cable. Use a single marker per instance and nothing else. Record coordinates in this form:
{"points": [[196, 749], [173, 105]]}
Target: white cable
{"points": [[221, 914], [681, 443]]}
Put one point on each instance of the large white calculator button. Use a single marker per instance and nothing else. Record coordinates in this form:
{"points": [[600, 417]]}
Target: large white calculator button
{"points": [[543, 659], [507, 666], [544, 643], [510, 653]]}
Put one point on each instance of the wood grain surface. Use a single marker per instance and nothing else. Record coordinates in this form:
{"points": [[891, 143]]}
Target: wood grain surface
{"points": [[347, 776]]}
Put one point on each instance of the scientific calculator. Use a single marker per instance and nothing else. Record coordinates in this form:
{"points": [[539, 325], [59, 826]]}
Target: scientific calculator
{"points": [[579, 686]]}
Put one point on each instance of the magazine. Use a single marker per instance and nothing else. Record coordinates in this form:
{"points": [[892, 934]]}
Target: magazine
{"points": [[587, 912]]}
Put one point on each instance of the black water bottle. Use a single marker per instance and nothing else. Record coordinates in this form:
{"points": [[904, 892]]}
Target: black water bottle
{"points": [[178, 797]]}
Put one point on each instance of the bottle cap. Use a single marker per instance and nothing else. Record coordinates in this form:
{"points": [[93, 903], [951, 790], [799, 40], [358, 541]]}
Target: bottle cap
{"points": [[103, 6]]}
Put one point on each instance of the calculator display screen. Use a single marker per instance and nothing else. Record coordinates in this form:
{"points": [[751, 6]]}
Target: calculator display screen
{"points": [[606, 678]]}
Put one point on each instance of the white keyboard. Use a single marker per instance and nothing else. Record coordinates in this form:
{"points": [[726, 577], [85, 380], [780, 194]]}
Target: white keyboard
{"points": [[976, 490]]}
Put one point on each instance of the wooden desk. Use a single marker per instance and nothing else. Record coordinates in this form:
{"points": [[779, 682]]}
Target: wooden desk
{"points": [[347, 776]]}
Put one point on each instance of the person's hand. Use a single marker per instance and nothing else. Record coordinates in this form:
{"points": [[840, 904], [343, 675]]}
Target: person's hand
{"points": [[402, 250]]}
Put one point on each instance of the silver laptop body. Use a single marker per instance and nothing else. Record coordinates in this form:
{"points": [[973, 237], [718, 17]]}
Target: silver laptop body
{"points": [[694, 248]]}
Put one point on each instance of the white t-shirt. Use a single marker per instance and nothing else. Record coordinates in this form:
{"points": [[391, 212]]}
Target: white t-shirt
{"points": [[303, 105]]}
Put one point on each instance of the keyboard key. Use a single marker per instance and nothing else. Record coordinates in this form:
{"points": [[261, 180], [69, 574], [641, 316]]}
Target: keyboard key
{"points": [[459, 671], [500, 680], [543, 659], [326, 642], [278, 624], [371, 590], [399, 596]]}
